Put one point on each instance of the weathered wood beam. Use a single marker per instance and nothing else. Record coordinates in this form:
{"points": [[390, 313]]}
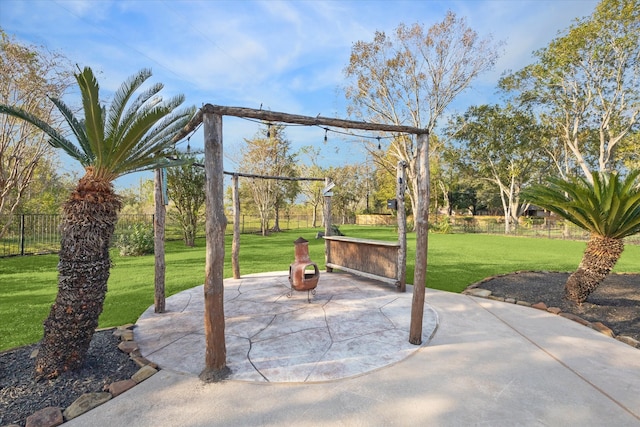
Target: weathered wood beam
{"points": [[235, 245], [158, 244], [422, 229], [250, 175], [326, 216], [190, 127], [215, 351], [283, 178], [401, 185], [274, 116]]}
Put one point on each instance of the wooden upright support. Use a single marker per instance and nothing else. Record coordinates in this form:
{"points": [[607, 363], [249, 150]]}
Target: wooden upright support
{"points": [[401, 265], [422, 224], [326, 214], [216, 222], [158, 243], [235, 245]]}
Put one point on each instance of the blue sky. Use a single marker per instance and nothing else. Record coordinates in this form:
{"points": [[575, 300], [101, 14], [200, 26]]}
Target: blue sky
{"points": [[287, 56]]}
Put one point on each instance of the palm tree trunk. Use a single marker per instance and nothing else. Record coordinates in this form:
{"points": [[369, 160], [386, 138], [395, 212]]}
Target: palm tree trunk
{"points": [[88, 223], [598, 260]]}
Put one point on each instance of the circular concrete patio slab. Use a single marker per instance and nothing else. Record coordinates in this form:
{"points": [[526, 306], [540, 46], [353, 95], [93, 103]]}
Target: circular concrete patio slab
{"points": [[351, 326]]}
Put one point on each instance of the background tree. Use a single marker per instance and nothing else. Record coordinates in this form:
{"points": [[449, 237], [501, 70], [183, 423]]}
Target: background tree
{"points": [[48, 189], [185, 187], [587, 85], [608, 206], [411, 76], [27, 75], [131, 135], [350, 192], [501, 145], [138, 199], [268, 154], [312, 190]]}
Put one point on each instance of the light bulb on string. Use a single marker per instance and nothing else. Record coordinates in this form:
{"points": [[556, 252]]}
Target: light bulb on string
{"points": [[269, 131], [325, 135], [379, 145]]}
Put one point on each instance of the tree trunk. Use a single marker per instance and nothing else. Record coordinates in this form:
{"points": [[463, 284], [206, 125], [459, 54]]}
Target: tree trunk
{"points": [[598, 260], [276, 224], [314, 218], [88, 223]]}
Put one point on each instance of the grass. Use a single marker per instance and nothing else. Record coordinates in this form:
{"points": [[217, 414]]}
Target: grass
{"points": [[29, 284]]}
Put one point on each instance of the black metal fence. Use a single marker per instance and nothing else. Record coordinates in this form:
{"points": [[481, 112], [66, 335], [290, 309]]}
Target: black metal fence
{"points": [[528, 227], [31, 234]]}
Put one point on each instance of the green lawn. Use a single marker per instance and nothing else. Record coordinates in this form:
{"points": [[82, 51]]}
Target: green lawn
{"points": [[28, 284]]}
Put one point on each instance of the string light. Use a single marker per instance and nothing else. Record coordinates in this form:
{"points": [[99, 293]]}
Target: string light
{"points": [[326, 130]]}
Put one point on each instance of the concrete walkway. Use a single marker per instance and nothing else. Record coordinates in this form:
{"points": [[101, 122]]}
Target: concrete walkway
{"points": [[488, 363]]}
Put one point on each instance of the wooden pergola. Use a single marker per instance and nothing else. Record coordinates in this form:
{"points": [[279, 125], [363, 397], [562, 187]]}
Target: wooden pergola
{"points": [[211, 117]]}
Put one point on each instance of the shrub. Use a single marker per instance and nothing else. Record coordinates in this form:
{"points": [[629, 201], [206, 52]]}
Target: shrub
{"points": [[136, 240], [442, 226]]}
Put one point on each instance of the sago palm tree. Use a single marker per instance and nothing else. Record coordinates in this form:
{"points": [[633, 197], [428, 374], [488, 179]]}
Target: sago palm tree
{"points": [[609, 209], [132, 135]]}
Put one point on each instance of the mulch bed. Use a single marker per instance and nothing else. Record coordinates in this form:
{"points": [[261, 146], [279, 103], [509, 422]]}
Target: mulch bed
{"points": [[21, 396]]}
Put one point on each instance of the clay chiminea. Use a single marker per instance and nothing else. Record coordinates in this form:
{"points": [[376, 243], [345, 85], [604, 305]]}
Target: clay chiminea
{"points": [[299, 279]]}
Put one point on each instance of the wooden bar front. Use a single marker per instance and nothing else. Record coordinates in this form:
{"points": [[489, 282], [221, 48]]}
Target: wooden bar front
{"points": [[375, 259]]}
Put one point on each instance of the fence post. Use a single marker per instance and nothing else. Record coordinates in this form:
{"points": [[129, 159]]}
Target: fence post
{"points": [[22, 235]]}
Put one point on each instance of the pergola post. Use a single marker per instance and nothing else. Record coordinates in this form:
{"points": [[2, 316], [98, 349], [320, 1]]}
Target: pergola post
{"points": [[158, 242], [216, 222], [401, 185], [421, 225], [326, 214], [235, 245]]}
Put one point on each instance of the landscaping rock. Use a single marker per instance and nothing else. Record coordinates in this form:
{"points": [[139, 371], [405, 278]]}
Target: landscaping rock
{"points": [[47, 417], [628, 340], [602, 328], [143, 373], [128, 346], [85, 403], [126, 335], [554, 310], [479, 292], [540, 306], [575, 318], [143, 361], [120, 387]]}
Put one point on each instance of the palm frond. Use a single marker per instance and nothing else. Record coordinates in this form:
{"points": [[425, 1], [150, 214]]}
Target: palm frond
{"points": [[78, 129], [57, 140], [609, 207], [134, 136], [134, 109], [93, 113], [143, 123], [156, 142], [119, 103]]}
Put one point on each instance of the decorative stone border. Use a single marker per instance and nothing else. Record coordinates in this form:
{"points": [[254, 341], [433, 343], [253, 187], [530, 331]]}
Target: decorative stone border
{"points": [[54, 416], [476, 290]]}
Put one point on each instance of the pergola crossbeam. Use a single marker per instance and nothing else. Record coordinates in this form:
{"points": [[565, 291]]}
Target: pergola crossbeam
{"points": [[278, 117]]}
